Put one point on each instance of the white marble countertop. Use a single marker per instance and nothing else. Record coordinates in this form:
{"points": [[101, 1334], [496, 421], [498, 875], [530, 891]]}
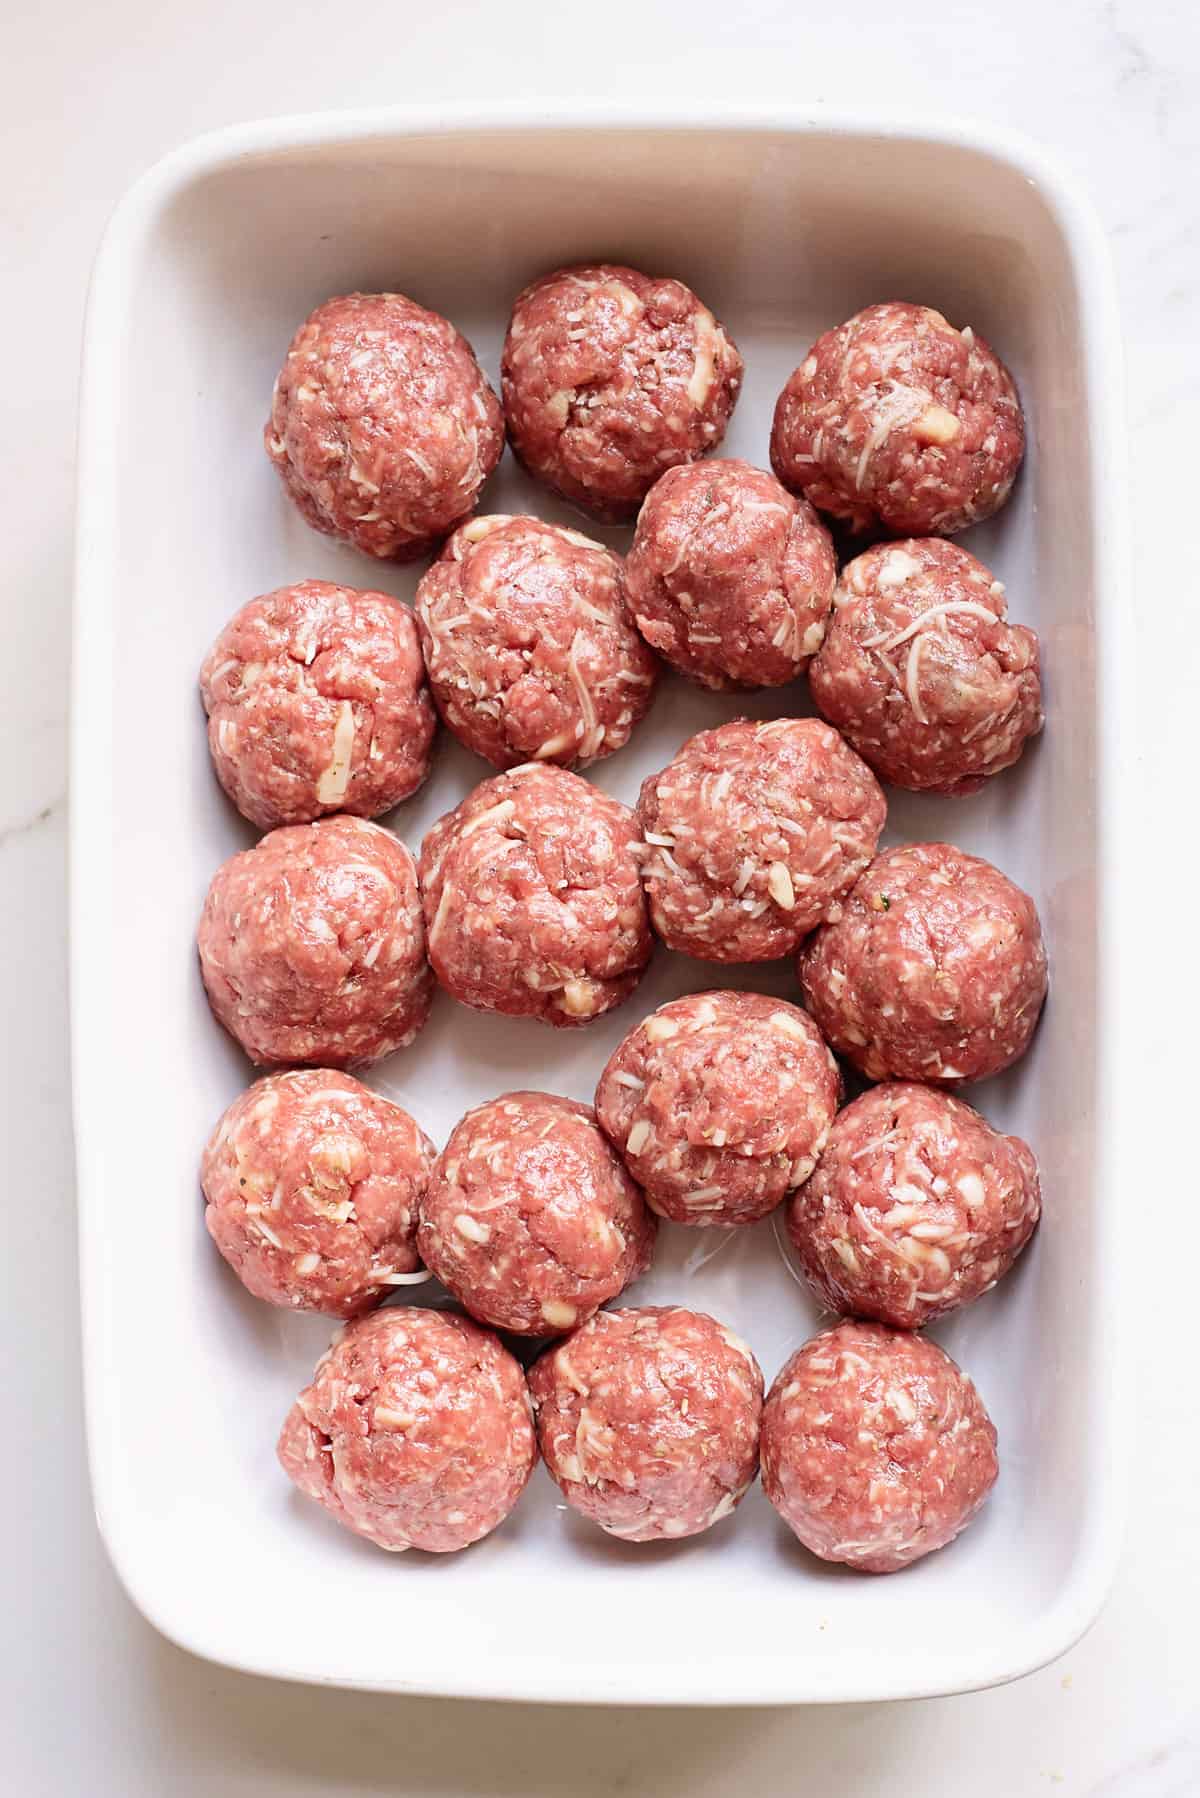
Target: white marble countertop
{"points": [[91, 1700]]}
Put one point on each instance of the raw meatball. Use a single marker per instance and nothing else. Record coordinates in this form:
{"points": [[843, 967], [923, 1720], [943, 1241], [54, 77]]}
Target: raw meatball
{"points": [[916, 1207], [936, 969], [896, 421], [416, 1431], [720, 1103], [754, 833], [530, 1219], [876, 1448], [649, 1420], [382, 426], [921, 671], [730, 577], [312, 946], [316, 702], [531, 649], [532, 898], [608, 378], [311, 1183]]}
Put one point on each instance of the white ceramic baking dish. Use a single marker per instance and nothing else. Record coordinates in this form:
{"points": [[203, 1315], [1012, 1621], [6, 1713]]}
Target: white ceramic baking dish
{"points": [[785, 224]]}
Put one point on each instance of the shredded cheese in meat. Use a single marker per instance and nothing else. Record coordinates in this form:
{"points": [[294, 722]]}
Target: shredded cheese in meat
{"points": [[899, 407], [931, 616], [587, 711], [493, 815], [443, 910], [912, 679]]}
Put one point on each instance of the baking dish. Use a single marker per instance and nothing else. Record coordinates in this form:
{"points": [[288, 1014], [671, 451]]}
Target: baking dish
{"points": [[784, 223]]}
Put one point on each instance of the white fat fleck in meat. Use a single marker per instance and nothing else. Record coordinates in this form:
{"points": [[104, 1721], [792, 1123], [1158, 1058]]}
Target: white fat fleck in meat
{"points": [[936, 425], [638, 1137], [471, 1228], [583, 998], [558, 1314], [335, 779], [779, 885], [700, 383], [971, 1187], [896, 568]]}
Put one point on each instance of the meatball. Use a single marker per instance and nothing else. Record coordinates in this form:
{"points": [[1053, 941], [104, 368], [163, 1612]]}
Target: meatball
{"points": [[922, 672], [730, 577], [608, 378], [720, 1104], [382, 425], [895, 421], [312, 946], [316, 702], [916, 1207], [754, 834], [415, 1432], [532, 652], [311, 1184], [648, 1420], [876, 1448], [529, 1218], [532, 898], [936, 969]]}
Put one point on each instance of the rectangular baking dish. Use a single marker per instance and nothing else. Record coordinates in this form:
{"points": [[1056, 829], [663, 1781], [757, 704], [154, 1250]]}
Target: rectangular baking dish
{"points": [[785, 224]]}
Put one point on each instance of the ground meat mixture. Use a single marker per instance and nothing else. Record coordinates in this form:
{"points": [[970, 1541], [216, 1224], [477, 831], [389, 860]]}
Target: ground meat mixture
{"points": [[532, 898], [896, 421], [311, 1184], [531, 649], [720, 1104], [649, 1421], [382, 425], [316, 702], [416, 1431], [312, 946], [876, 1448], [753, 835], [936, 969], [530, 1219], [609, 378], [916, 1207], [730, 576], [921, 671]]}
